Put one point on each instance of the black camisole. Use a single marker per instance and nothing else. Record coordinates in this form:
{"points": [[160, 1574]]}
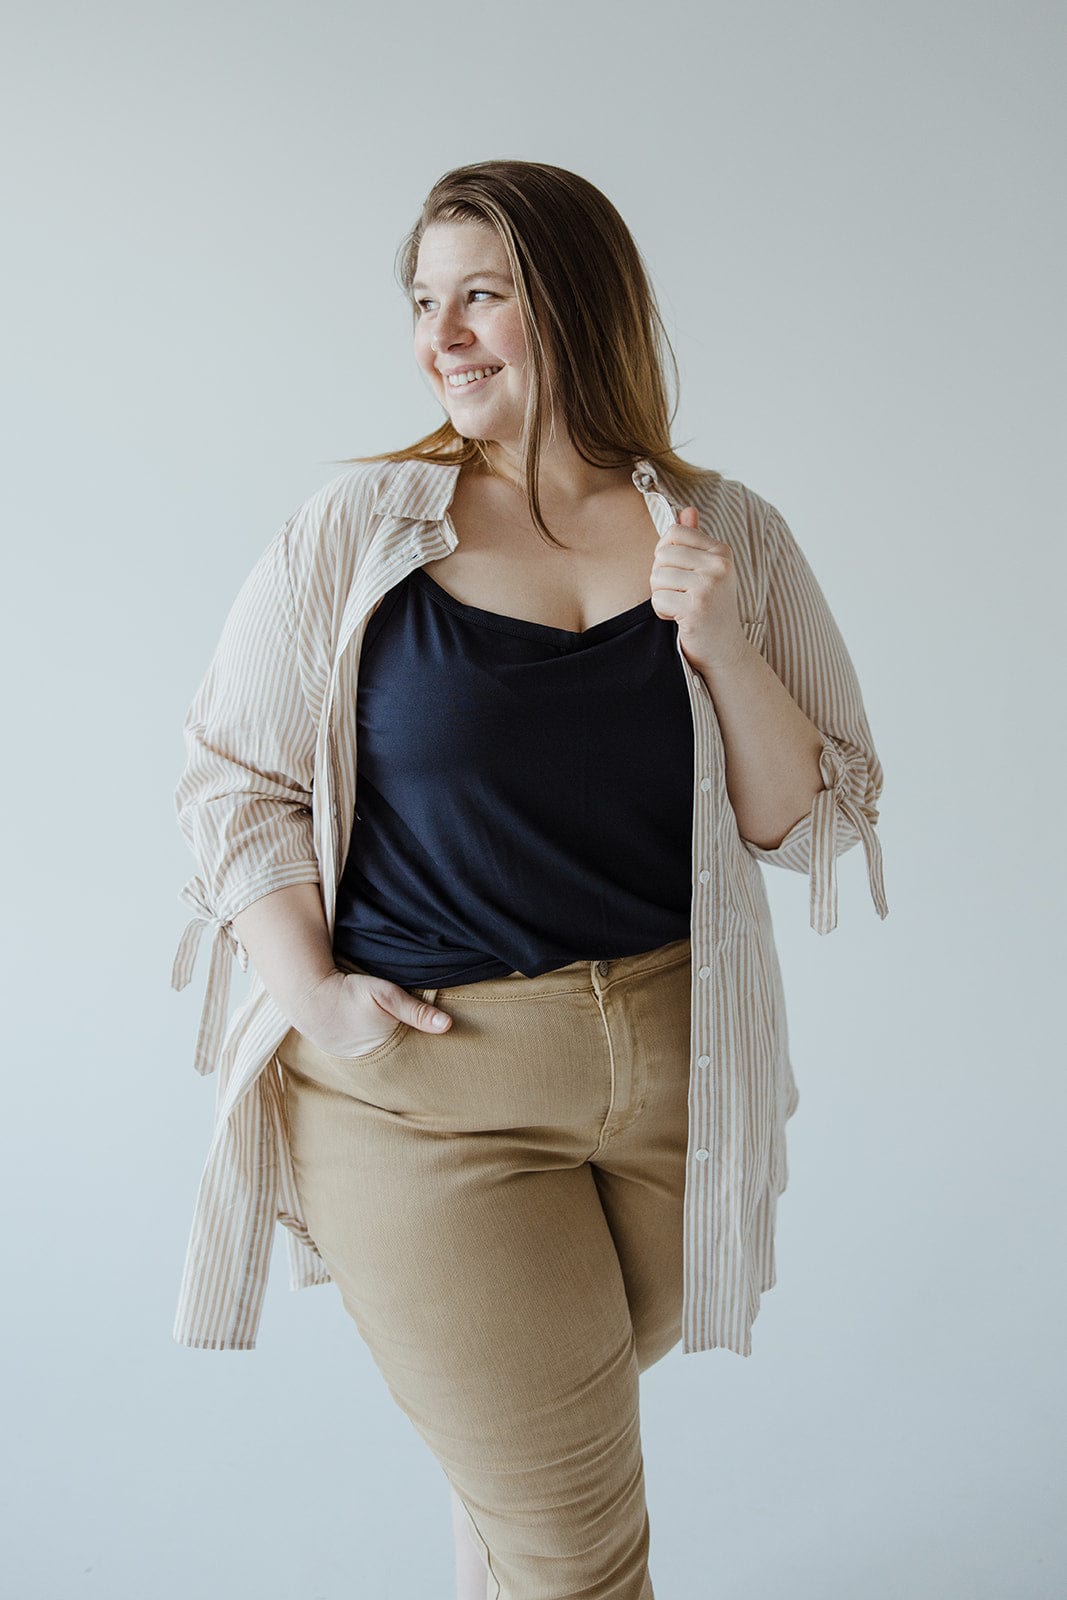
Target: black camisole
{"points": [[524, 794]]}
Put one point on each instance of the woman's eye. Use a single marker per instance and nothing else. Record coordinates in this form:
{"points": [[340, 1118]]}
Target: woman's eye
{"points": [[489, 292]]}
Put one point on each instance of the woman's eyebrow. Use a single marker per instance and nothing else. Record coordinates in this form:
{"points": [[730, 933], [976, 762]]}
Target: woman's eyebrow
{"points": [[499, 276]]}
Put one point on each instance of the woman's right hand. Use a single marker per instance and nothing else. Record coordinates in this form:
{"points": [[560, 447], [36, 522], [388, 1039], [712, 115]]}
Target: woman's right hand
{"points": [[352, 1013]]}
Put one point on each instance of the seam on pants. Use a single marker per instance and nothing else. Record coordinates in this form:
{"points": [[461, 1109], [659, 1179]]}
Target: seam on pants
{"points": [[614, 1084], [492, 1582]]}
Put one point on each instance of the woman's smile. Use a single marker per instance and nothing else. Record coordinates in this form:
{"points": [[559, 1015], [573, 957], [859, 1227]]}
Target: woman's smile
{"points": [[461, 384]]}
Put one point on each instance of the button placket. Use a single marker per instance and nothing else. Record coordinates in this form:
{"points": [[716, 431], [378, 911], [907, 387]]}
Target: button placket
{"points": [[703, 1062]]}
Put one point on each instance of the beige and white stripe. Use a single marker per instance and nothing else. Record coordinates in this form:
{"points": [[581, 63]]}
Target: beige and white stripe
{"points": [[266, 799]]}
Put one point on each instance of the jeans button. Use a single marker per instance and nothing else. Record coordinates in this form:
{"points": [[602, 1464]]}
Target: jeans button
{"points": [[602, 968]]}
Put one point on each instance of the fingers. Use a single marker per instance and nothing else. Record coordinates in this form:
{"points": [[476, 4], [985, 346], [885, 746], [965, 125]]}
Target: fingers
{"points": [[689, 523]]}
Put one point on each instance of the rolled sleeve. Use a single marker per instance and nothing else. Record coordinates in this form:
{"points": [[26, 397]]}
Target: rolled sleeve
{"points": [[244, 798], [804, 645]]}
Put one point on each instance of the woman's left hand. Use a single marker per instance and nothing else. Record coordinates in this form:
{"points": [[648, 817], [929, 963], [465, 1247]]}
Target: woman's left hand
{"points": [[693, 583]]}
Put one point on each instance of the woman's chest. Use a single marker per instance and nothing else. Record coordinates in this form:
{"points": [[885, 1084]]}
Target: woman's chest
{"points": [[503, 565]]}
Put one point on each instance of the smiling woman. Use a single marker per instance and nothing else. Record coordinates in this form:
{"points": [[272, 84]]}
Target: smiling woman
{"points": [[498, 728], [530, 269]]}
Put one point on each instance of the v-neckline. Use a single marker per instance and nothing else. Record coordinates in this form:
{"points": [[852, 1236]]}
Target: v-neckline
{"points": [[604, 629]]}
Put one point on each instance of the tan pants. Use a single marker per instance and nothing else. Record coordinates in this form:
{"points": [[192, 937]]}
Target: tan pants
{"points": [[500, 1207]]}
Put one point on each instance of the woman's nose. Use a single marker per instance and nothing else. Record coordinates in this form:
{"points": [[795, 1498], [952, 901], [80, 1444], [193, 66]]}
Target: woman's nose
{"points": [[451, 329]]}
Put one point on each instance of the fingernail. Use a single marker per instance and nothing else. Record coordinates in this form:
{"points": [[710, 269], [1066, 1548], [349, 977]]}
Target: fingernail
{"points": [[439, 1020]]}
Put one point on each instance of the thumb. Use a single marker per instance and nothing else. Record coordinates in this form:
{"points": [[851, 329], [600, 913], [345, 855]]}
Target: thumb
{"points": [[422, 1015], [689, 517]]}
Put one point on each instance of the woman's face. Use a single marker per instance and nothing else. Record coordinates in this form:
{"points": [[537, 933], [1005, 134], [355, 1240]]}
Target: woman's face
{"points": [[466, 305]]}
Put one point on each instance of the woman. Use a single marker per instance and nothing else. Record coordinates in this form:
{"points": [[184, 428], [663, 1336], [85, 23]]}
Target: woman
{"points": [[513, 1070]]}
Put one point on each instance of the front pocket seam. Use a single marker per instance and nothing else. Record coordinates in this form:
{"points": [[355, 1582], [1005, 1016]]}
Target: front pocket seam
{"points": [[365, 1055]]}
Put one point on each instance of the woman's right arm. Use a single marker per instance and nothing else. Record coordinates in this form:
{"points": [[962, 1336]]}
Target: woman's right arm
{"points": [[244, 798], [244, 803], [287, 942], [344, 1014]]}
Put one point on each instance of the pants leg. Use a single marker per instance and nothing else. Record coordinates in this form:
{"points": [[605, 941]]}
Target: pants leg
{"points": [[640, 1168], [478, 1198]]}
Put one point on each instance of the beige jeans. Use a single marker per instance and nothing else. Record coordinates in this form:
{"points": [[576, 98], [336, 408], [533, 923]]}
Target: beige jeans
{"points": [[500, 1207]]}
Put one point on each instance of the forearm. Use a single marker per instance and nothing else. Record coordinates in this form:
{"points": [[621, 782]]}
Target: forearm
{"points": [[772, 749], [288, 944]]}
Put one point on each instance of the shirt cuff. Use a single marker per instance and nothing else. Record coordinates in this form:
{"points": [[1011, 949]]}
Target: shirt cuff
{"points": [[835, 821], [831, 804], [224, 945]]}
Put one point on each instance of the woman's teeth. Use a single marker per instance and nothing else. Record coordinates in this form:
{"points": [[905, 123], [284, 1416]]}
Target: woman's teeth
{"points": [[474, 376]]}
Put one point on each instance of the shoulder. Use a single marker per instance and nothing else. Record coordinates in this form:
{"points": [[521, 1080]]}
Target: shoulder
{"points": [[728, 502], [343, 503], [335, 519]]}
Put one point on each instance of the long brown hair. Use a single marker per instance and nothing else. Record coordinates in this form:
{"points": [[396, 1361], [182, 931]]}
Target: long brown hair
{"points": [[576, 266]]}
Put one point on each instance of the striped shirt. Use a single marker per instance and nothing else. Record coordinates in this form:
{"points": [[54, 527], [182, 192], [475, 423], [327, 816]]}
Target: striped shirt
{"points": [[267, 797]]}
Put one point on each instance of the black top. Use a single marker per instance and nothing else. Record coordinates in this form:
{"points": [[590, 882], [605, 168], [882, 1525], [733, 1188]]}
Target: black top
{"points": [[524, 794]]}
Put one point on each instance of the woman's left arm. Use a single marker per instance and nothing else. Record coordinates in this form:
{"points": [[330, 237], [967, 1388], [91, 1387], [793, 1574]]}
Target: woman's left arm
{"points": [[801, 767]]}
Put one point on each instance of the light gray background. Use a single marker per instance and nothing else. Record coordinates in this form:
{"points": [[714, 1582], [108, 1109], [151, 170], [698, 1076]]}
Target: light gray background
{"points": [[852, 217]]}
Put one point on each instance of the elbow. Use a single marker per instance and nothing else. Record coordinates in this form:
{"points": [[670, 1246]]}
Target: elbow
{"points": [[777, 840]]}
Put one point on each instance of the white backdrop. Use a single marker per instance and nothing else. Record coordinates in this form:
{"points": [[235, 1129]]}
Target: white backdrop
{"points": [[852, 219]]}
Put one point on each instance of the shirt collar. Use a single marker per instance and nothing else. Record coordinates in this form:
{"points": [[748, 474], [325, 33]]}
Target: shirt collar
{"points": [[423, 490]]}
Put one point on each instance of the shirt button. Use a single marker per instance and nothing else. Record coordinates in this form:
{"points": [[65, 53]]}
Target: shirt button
{"points": [[705, 875], [602, 968], [702, 1155], [703, 973], [703, 1061], [705, 783], [645, 480]]}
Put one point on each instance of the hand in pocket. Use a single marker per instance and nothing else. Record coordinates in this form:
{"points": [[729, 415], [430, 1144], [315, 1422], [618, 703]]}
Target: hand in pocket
{"points": [[352, 1013]]}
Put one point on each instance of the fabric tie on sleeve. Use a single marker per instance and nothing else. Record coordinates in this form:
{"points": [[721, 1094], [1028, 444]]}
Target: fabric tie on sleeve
{"points": [[834, 798], [224, 946]]}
